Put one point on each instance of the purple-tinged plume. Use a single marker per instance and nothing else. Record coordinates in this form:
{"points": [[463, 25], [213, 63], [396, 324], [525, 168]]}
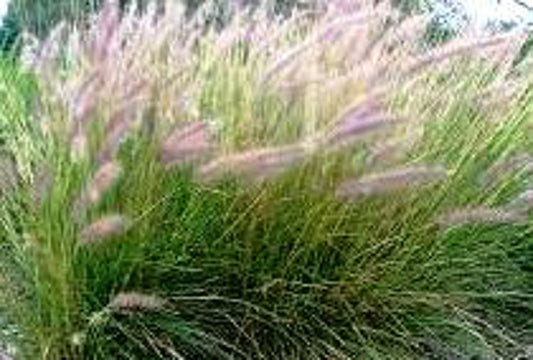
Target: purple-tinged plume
{"points": [[516, 164], [103, 179], [257, 164], [329, 33], [106, 227], [87, 98], [98, 185], [358, 121], [454, 48], [483, 215], [391, 180], [188, 143], [130, 302], [107, 26], [119, 125]]}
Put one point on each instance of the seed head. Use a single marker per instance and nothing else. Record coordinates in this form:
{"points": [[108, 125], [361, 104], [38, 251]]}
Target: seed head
{"points": [[391, 180], [453, 48], [104, 178], [481, 214], [188, 143], [129, 302], [518, 163], [108, 24], [258, 163], [109, 226]]}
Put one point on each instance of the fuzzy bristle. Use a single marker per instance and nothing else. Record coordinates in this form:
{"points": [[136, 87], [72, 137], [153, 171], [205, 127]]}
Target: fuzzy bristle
{"points": [[103, 228], [129, 302], [480, 215], [188, 143], [257, 163], [391, 180]]}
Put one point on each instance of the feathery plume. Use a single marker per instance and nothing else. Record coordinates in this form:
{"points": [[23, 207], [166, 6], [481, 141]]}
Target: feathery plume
{"points": [[391, 180], [481, 214], [358, 121], [50, 49], [187, 143], [104, 178], [129, 302], [108, 226], [257, 163], [88, 96], [120, 123], [390, 151], [332, 30], [100, 183], [518, 163], [454, 48], [107, 26]]}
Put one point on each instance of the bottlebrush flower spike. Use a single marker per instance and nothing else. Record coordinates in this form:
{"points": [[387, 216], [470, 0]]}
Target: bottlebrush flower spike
{"points": [[517, 163], [129, 302], [87, 98], [120, 123], [382, 182], [391, 151], [104, 178], [50, 49], [107, 26], [188, 143], [329, 32], [481, 215], [109, 226], [359, 120], [258, 163], [454, 48]]}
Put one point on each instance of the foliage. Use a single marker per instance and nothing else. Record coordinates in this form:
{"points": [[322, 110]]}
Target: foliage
{"points": [[9, 31], [306, 189]]}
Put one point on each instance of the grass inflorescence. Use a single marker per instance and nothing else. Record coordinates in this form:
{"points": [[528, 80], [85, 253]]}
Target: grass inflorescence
{"points": [[321, 187]]}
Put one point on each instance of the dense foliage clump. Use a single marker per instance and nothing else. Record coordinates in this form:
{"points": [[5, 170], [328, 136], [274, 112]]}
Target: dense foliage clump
{"points": [[322, 187]]}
